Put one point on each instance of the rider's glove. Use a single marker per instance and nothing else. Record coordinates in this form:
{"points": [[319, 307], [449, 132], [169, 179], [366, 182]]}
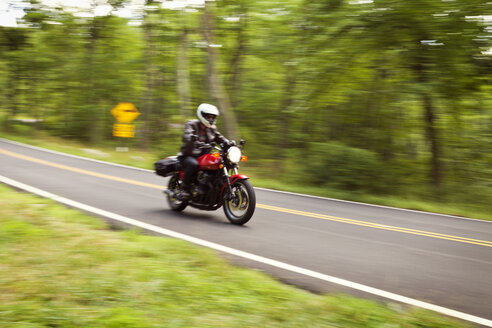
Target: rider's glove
{"points": [[202, 145], [199, 144]]}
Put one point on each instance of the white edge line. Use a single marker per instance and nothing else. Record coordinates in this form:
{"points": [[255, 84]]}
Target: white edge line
{"points": [[258, 188], [249, 256]]}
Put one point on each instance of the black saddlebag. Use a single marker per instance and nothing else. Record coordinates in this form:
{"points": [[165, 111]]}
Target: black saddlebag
{"points": [[167, 166]]}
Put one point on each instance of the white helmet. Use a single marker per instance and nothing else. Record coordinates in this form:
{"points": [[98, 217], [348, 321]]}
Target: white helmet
{"points": [[207, 109]]}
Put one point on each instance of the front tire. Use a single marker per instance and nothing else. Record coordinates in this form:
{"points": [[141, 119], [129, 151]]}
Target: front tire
{"points": [[174, 187], [240, 208]]}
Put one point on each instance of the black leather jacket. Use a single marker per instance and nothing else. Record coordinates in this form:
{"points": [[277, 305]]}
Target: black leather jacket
{"points": [[191, 148]]}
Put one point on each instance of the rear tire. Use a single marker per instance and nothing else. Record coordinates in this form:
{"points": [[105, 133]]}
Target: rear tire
{"points": [[241, 207], [174, 186]]}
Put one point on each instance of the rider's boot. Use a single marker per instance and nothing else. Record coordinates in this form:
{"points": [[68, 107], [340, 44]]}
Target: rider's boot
{"points": [[185, 193]]}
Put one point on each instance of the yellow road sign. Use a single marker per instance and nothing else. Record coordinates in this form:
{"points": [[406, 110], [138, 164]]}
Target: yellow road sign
{"points": [[124, 130], [125, 112]]}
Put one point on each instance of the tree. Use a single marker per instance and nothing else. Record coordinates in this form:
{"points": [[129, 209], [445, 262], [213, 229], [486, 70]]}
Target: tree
{"points": [[214, 78], [13, 41]]}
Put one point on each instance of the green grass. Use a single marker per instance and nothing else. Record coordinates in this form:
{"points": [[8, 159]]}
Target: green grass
{"points": [[259, 176], [62, 268]]}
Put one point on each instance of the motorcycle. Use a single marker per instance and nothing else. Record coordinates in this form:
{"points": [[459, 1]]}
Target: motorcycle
{"points": [[217, 183]]}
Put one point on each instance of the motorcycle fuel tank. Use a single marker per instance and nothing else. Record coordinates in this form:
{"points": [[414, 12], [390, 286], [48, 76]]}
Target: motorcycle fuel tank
{"points": [[209, 162]]}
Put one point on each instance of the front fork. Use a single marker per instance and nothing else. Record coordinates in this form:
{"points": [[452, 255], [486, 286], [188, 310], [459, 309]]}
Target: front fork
{"points": [[229, 187], [228, 178], [231, 181]]}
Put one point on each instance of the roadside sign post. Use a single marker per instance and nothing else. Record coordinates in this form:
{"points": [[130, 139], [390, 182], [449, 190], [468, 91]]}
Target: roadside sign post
{"points": [[125, 113]]}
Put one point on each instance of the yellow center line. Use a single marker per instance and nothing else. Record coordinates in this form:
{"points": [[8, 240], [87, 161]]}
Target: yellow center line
{"points": [[266, 207], [73, 169], [378, 226]]}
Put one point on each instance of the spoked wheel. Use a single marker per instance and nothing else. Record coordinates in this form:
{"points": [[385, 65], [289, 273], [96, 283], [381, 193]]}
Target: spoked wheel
{"points": [[240, 207], [174, 187]]}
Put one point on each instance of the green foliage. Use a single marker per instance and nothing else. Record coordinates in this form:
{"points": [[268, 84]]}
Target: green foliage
{"points": [[344, 167], [406, 81]]}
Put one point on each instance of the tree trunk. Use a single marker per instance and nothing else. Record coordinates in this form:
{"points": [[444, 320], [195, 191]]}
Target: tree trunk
{"points": [[12, 75], [429, 122], [183, 75], [94, 117], [433, 138], [147, 96], [235, 73], [284, 115], [215, 83], [35, 100]]}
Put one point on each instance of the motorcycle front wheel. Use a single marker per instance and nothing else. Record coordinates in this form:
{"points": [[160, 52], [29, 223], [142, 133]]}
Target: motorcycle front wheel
{"points": [[174, 187], [239, 208]]}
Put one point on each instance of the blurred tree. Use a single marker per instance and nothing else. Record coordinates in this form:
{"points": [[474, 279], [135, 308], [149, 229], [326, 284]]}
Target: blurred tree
{"points": [[235, 26], [214, 78], [435, 42], [149, 22], [439, 46], [396, 90], [182, 67], [12, 43]]}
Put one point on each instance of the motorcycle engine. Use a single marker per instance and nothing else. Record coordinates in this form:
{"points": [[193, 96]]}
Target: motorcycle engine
{"points": [[202, 185], [202, 178], [205, 189]]}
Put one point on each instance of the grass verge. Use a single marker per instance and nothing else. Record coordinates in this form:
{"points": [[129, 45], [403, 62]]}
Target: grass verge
{"points": [[145, 160], [62, 268]]}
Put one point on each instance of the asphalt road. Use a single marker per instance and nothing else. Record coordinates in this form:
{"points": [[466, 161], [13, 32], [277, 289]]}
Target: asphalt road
{"points": [[442, 260]]}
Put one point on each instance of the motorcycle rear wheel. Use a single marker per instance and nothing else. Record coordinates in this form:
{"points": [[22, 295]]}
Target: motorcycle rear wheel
{"points": [[240, 208], [174, 186]]}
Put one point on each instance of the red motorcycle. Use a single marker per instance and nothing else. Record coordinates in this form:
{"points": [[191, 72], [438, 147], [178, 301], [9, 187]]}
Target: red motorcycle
{"points": [[217, 184]]}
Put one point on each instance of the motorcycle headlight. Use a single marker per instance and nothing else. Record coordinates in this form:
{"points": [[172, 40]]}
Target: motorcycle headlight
{"points": [[234, 155]]}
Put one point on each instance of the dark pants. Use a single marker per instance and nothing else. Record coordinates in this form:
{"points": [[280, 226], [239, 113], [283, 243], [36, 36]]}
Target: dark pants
{"points": [[190, 164]]}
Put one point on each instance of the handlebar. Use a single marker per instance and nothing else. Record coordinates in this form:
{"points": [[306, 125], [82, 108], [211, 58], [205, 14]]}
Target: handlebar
{"points": [[213, 145]]}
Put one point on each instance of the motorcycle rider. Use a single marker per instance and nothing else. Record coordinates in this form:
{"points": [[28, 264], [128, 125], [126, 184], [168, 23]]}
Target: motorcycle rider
{"points": [[197, 137]]}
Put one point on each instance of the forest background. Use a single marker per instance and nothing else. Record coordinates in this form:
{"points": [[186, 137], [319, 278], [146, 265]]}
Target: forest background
{"points": [[386, 97]]}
